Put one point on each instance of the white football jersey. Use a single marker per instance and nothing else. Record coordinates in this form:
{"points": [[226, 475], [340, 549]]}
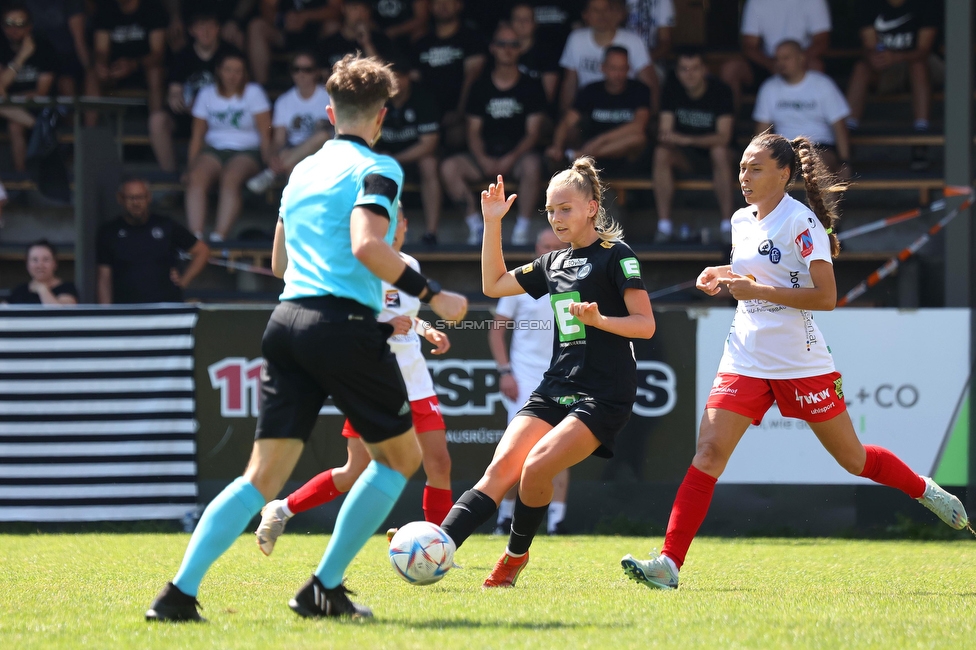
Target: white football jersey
{"points": [[767, 340], [406, 347]]}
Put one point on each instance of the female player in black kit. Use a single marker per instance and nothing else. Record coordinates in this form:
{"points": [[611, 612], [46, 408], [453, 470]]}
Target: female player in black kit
{"points": [[585, 398]]}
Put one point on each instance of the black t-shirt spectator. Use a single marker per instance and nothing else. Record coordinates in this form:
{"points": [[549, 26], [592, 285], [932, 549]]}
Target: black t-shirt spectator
{"points": [[188, 69], [44, 59], [441, 64], [504, 112], [50, 17], [129, 33], [602, 112], [554, 21], [898, 27], [22, 295], [142, 258], [696, 116], [538, 60], [333, 48], [402, 127], [391, 13]]}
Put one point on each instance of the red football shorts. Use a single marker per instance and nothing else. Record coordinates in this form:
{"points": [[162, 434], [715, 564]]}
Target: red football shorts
{"points": [[426, 414], [811, 399]]}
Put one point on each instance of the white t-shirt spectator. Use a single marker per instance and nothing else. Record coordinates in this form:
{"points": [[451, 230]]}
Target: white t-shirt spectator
{"points": [[230, 120], [583, 55], [645, 17], [301, 116], [808, 108], [776, 21]]}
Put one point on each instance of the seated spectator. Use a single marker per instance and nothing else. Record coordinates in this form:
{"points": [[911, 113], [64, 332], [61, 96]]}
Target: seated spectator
{"points": [[231, 138], [504, 117], [897, 37], [582, 58], [28, 72], [192, 68], [44, 288], [766, 24], [129, 50], [448, 60], [537, 59], [403, 21], [608, 120], [798, 101], [653, 21], [300, 123], [554, 20], [289, 25], [233, 16], [411, 133], [356, 34], [64, 23], [694, 133], [138, 253]]}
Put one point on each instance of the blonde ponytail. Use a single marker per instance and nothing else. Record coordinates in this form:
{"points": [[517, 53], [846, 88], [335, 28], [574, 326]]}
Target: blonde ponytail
{"points": [[585, 178]]}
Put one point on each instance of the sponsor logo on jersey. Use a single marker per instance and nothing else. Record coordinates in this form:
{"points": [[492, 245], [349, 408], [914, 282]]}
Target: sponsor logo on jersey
{"points": [[775, 255], [584, 271], [839, 387], [812, 222], [813, 398], [392, 299], [573, 262], [765, 246], [805, 241], [631, 267], [527, 268], [157, 233], [606, 244]]}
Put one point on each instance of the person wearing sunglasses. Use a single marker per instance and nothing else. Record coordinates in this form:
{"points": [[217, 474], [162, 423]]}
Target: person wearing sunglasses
{"points": [[300, 124]]}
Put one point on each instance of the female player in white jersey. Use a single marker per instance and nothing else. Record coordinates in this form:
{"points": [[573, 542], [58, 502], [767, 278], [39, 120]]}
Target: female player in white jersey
{"points": [[599, 303], [781, 272], [399, 311]]}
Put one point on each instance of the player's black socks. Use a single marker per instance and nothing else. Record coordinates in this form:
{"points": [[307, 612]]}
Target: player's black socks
{"points": [[470, 511], [525, 524]]}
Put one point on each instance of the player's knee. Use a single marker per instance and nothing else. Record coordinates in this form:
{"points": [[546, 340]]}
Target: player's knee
{"points": [[710, 459], [437, 464]]}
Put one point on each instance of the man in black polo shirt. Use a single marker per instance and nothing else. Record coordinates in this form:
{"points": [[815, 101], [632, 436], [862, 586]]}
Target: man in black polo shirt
{"points": [[137, 253], [608, 118], [411, 133]]}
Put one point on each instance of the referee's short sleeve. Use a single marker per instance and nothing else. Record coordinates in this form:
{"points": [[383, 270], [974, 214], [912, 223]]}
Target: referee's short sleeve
{"points": [[532, 277], [380, 187]]}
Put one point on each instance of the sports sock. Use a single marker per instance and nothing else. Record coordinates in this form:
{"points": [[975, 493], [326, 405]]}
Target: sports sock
{"points": [[368, 503], [437, 503], [470, 511], [222, 522], [688, 513], [320, 489], [882, 466], [505, 509], [557, 512], [525, 524]]}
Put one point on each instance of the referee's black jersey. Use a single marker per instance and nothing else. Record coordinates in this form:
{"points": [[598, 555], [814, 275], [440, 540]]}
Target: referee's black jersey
{"points": [[587, 360]]}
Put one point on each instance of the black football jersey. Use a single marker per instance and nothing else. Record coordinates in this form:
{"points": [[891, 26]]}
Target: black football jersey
{"points": [[587, 360]]}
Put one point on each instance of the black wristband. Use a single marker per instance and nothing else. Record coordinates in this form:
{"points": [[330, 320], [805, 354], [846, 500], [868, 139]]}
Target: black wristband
{"points": [[433, 288], [411, 281]]}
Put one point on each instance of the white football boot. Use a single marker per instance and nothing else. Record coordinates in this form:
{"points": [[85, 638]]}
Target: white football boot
{"points": [[656, 573], [273, 520], [945, 505]]}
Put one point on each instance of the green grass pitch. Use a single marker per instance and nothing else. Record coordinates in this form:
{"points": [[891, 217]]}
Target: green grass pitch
{"points": [[91, 590]]}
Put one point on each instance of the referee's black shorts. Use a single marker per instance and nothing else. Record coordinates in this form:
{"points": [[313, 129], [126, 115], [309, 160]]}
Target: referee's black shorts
{"points": [[326, 346]]}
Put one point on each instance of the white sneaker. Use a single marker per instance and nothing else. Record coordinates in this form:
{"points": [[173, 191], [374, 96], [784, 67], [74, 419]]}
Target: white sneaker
{"points": [[945, 505], [654, 573], [273, 520], [476, 229], [260, 183], [522, 235]]}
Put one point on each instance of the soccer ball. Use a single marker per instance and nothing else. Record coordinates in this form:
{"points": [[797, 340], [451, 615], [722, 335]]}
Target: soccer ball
{"points": [[421, 553]]}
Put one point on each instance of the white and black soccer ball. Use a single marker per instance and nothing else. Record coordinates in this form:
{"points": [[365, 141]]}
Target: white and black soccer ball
{"points": [[421, 553]]}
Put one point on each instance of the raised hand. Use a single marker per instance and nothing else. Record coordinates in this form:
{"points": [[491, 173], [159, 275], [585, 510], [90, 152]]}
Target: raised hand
{"points": [[494, 205]]}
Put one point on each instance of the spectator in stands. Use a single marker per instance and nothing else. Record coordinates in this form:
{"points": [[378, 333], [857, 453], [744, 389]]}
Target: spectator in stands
{"points": [[766, 24], [192, 69], [653, 21], [504, 117], [138, 253], [44, 287], [64, 23], [233, 16], [290, 25], [129, 50], [28, 71], [608, 119], [403, 21], [231, 138], [582, 58], [357, 33], [448, 61], [798, 101], [898, 36], [411, 134], [554, 20], [694, 133], [537, 59], [300, 124]]}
